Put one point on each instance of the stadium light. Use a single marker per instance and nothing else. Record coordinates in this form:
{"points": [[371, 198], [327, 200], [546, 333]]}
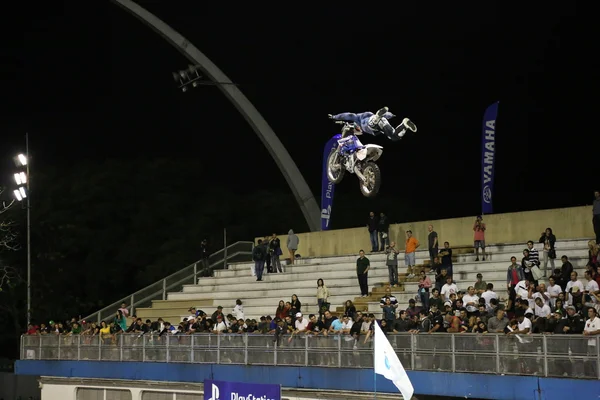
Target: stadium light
{"points": [[18, 195], [21, 178], [20, 160]]}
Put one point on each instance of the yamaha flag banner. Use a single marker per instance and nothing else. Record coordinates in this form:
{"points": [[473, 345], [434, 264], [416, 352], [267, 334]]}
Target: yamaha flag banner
{"points": [[221, 390], [488, 155], [327, 188]]}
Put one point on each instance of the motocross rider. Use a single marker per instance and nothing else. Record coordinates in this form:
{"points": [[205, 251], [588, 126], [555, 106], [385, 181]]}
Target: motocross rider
{"points": [[376, 124]]}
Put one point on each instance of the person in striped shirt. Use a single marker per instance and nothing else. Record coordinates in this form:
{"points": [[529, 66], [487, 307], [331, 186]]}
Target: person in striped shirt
{"points": [[534, 255]]}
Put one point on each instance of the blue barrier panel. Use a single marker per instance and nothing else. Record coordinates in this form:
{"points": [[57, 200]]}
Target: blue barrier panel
{"points": [[427, 383]]}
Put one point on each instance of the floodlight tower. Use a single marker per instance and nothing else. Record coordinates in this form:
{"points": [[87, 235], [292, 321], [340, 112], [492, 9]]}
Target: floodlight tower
{"points": [[23, 193]]}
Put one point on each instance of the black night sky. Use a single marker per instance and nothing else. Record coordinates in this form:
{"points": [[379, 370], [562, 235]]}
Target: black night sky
{"points": [[90, 82]]}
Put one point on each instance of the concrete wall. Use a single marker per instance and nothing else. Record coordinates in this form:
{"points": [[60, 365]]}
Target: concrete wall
{"points": [[478, 386], [567, 223], [19, 386]]}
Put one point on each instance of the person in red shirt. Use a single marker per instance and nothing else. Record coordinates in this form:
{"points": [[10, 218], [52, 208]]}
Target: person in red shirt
{"points": [[33, 329], [479, 237]]}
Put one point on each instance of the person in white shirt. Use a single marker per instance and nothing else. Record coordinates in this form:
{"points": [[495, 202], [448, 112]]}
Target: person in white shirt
{"points": [[301, 323], [591, 287], [346, 324], [522, 289], [592, 325], [541, 310], [238, 310], [591, 329], [220, 326], [489, 294], [553, 291], [542, 294], [449, 288], [572, 283], [471, 300]]}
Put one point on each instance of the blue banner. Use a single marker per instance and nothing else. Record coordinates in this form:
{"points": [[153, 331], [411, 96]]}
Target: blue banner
{"points": [[488, 156], [327, 188], [221, 390]]}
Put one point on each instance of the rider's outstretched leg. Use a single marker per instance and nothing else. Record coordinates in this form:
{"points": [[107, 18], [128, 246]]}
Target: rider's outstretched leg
{"points": [[406, 124], [375, 120]]}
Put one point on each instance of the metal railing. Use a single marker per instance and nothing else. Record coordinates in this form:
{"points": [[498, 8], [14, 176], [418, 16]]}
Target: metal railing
{"points": [[239, 251], [574, 356]]}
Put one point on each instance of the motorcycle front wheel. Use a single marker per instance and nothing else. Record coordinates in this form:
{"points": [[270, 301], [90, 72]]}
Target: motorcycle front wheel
{"points": [[335, 169], [372, 174]]}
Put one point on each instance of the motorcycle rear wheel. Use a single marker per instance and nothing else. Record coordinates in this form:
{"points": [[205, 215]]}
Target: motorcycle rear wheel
{"points": [[371, 186]]}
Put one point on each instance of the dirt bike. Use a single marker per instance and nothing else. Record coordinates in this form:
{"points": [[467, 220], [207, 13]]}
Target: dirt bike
{"points": [[354, 157]]}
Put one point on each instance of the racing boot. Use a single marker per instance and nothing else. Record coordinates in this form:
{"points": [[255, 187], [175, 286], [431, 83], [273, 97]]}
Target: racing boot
{"points": [[406, 124]]}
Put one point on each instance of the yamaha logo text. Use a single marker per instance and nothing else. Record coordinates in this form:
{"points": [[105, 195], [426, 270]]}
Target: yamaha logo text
{"points": [[489, 152]]}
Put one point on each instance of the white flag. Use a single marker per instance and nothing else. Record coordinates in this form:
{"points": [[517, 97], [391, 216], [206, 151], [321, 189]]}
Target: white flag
{"points": [[386, 363]]}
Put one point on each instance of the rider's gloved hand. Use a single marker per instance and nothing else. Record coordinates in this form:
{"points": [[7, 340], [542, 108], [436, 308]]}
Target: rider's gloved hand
{"points": [[330, 116]]}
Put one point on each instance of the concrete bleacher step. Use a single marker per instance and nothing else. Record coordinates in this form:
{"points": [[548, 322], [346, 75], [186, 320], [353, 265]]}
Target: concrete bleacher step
{"points": [[278, 285], [261, 298], [173, 304]]}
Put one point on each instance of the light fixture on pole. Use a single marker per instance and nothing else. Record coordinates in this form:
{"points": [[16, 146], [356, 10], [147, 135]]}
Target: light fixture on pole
{"points": [[22, 193]]}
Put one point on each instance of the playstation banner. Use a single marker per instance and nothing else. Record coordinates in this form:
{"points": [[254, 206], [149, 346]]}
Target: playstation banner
{"points": [[488, 155], [327, 188], [222, 390]]}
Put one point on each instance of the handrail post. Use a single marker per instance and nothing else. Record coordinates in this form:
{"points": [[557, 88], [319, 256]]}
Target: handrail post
{"points": [[545, 355], [224, 248], [306, 350], [218, 349], [413, 348], [59, 337], [453, 344], [143, 348], [192, 342], [275, 346], [121, 340], [195, 273], [246, 349], [164, 289], [497, 340], [597, 355], [78, 347], [168, 353], [131, 301], [339, 337]]}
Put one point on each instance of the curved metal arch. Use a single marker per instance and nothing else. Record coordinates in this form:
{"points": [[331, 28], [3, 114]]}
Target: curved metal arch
{"points": [[282, 158]]}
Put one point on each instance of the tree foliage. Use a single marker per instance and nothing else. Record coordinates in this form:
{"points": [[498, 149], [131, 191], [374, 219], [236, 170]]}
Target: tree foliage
{"points": [[102, 231]]}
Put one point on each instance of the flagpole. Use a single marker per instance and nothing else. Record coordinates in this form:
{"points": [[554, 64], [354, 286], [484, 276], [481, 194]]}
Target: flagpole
{"points": [[374, 373]]}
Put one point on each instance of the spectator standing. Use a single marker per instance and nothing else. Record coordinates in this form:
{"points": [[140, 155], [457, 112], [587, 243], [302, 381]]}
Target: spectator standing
{"points": [[446, 258], [432, 239], [372, 225], [292, 244], [275, 251], [424, 287], [409, 253], [204, 254], [549, 252], [479, 237], [259, 255], [362, 271], [322, 296], [391, 261], [383, 227]]}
